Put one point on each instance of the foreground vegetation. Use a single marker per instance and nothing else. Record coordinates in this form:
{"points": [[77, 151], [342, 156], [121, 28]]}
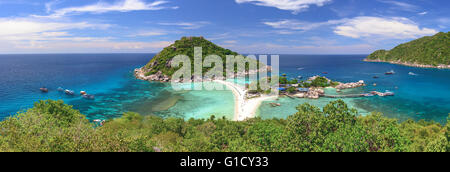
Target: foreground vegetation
{"points": [[429, 50], [56, 127]]}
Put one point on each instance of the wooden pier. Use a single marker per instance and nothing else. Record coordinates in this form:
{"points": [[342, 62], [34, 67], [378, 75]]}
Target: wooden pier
{"points": [[373, 93], [344, 96]]}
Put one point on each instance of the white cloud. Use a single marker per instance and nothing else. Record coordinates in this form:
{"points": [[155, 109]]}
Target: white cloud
{"points": [[299, 25], [86, 46], [25, 26], [295, 6], [149, 33], [18, 34], [273, 48], [423, 13], [401, 5], [230, 42], [49, 5], [390, 28], [187, 25], [102, 7]]}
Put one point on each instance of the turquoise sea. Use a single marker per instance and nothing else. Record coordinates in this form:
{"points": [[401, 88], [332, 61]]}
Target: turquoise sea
{"points": [[109, 77]]}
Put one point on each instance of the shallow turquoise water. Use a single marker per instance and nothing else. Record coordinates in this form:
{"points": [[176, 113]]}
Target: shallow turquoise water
{"points": [[423, 96], [109, 77]]}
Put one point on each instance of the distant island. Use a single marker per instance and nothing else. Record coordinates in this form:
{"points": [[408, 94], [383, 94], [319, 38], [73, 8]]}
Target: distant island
{"points": [[426, 52], [159, 68]]}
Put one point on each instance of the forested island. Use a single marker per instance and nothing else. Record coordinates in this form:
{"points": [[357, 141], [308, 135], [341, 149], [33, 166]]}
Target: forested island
{"points": [[159, 68], [427, 52], [52, 126]]}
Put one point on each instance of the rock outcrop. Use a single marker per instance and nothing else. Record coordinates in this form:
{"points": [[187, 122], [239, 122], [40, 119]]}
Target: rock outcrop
{"points": [[313, 93], [141, 74], [342, 86]]}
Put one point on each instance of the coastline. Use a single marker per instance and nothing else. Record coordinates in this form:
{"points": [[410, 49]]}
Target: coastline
{"points": [[244, 108], [441, 66]]}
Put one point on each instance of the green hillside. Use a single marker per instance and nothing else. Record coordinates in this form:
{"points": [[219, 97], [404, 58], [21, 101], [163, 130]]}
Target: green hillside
{"points": [[429, 50], [185, 46], [52, 126]]}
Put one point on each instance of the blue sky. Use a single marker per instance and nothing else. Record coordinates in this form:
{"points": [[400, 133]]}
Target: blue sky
{"points": [[245, 26]]}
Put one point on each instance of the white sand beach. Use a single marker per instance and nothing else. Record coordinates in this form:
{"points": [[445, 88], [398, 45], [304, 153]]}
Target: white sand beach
{"points": [[244, 108]]}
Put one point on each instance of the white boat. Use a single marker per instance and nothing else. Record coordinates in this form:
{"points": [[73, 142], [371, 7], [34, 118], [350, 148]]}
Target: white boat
{"points": [[69, 92], [413, 74], [390, 72]]}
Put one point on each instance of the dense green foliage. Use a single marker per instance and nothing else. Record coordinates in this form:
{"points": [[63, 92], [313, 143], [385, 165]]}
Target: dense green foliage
{"points": [[185, 46], [54, 126], [320, 82], [430, 50]]}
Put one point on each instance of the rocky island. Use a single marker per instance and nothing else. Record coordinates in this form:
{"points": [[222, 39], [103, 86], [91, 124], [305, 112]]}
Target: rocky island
{"points": [[159, 68], [426, 52], [312, 88], [316, 84]]}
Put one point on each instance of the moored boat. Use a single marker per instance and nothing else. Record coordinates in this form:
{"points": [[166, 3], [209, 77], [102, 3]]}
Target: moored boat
{"points": [[69, 92], [390, 72], [44, 90], [411, 73], [275, 104]]}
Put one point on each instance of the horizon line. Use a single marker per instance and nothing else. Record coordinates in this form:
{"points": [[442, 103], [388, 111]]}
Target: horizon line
{"points": [[157, 53]]}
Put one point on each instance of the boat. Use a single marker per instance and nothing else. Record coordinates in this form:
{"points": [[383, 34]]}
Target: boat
{"points": [[275, 104], [376, 77], [324, 72], [411, 73], [60, 89], [299, 77], [44, 90], [83, 93], [390, 72], [69, 92], [388, 93]]}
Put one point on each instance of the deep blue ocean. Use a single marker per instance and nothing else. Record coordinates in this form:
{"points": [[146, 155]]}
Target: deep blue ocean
{"points": [[109, 77]]}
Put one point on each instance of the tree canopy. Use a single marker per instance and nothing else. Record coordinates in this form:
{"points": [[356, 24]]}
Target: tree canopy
{"points": [[429, 50], [52, 126]]}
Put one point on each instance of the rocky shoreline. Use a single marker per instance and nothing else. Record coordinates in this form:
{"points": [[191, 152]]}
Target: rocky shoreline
{"points": [[316, 93], [342, 86], [139, 73], [441, 66]]}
